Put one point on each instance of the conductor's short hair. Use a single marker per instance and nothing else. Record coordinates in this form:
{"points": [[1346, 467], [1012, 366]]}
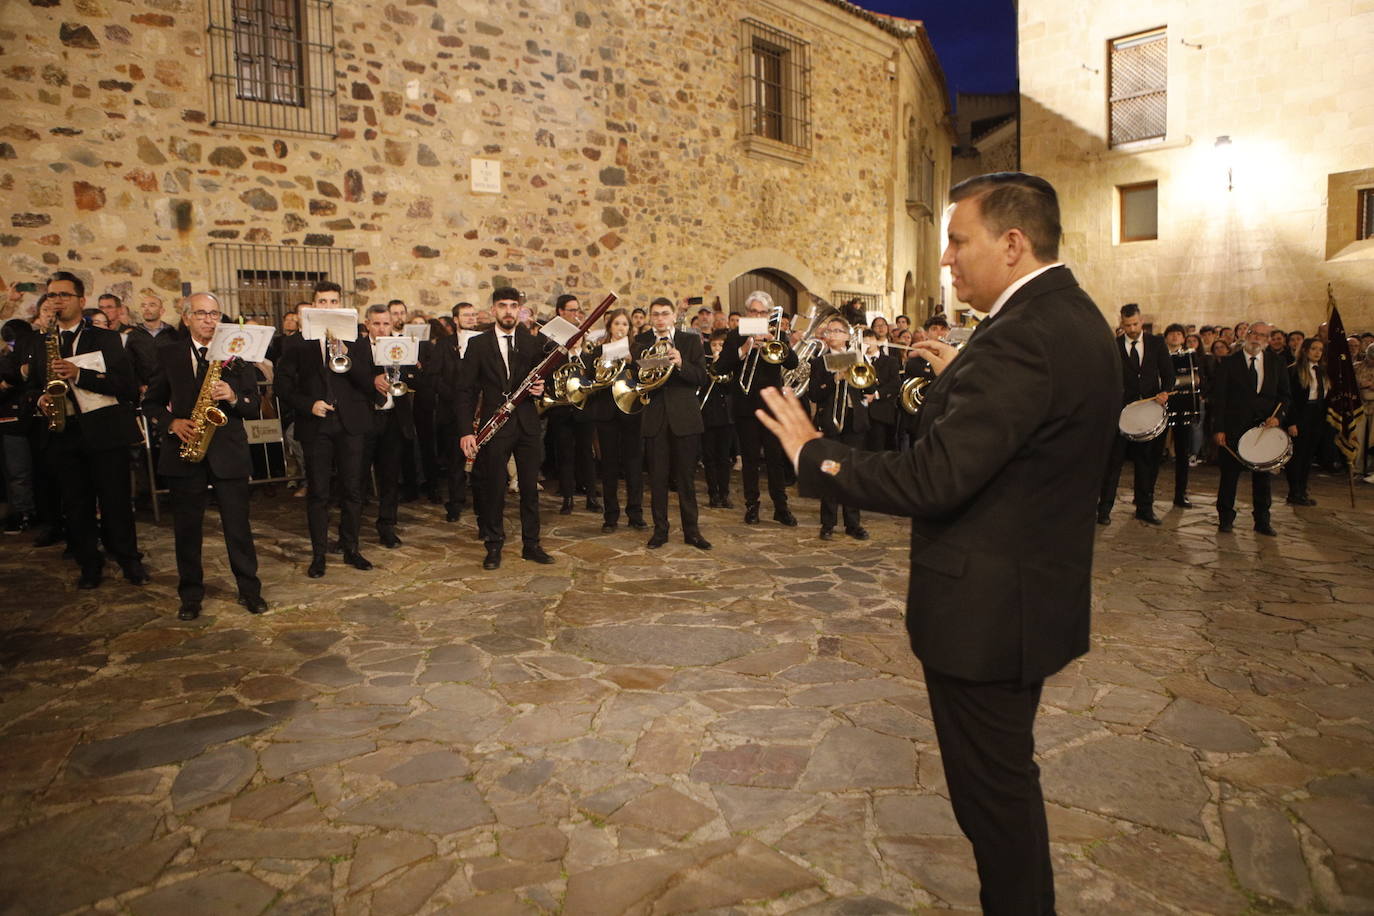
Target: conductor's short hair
{"points": [[1016, 200]]}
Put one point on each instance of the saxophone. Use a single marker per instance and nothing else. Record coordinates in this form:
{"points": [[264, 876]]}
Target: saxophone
{"points": [[56, 389], [205, 418]]}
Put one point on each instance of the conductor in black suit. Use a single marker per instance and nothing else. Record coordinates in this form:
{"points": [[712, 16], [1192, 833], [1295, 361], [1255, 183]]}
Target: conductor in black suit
{"points": [[333, 414], [672, 424], [393, 426], [89, 459], [1146, 372], [496, 363], [1250, 388], [177, 380], [1002, 597]]}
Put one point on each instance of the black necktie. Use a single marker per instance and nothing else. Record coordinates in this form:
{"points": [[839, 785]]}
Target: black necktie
{"points": [[1254, 376], [202, 364], [68, 343], [1135, 355]]}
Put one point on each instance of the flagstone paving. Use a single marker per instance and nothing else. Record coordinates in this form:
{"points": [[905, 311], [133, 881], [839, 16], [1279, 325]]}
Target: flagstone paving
{"points": [[669, 731]]}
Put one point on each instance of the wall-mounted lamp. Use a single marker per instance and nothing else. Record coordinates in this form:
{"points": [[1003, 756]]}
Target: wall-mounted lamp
{"points": [[1223, 152], [1189, 44], [1090, 69]]}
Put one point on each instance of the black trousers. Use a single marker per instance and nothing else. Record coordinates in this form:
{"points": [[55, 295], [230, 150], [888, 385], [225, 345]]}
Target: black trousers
{"points": [[1145, 457], [881, 437], [753, 438], [622, 455], [333, 456], [384, 455], [455, 470], [572, 452], [1182, 435], [490, 479], [675, 457], [87, 478], [1310, 421], [830, 507], [189, 496], [715, 458], [1231, 469], [427, 442], [987, 746]]}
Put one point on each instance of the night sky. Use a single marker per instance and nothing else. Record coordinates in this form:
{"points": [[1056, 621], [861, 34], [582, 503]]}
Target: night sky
{"points": [[974, 39]]}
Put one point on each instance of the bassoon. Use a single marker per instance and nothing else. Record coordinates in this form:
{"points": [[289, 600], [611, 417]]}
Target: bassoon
{"points": [[555, 358]]}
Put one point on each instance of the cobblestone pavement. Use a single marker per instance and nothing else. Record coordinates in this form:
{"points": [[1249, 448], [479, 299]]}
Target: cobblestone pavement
{"points": [[636, 731]]}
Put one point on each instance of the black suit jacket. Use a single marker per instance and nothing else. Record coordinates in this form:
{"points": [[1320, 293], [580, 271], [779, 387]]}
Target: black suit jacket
{"points": [[109, 427], [1001, 484], [822, 392], [303, 378], [674, 407], [402, 412], [483, 384], [766, 375], [172, 394], [883, 408], [1235, 404], [1156, 371]]}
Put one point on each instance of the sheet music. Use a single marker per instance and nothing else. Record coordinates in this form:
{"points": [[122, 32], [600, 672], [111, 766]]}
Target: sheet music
{"points": [[247, 342], [616, 349], [418, 331], [90, 400], [752, 327], [395, 351], [464, 338], [342, 323]]}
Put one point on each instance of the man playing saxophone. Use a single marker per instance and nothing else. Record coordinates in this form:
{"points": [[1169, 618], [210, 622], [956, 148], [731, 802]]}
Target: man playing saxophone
{"points": [[198, 453]]}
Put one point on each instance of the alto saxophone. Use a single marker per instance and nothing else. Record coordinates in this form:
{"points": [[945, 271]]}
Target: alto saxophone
{"points": [[56, 389], [205, 418]]}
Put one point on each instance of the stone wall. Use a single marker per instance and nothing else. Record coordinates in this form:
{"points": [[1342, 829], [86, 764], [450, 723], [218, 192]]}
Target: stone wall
{"points": [[1288, 82], [617, 124]]}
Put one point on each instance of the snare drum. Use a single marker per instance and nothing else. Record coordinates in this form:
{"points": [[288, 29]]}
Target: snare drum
{"points": [[1143, 420], [1265, 449]]}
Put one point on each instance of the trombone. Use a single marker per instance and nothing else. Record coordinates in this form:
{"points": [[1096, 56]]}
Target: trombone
{"points": [[773, 352]]}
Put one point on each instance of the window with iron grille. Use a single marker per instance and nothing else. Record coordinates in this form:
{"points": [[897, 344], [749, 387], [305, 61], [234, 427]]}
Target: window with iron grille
{"points": [[272, 65], [776, 74], [264, 282], [1138, 67], [868, 302], [1365, 221]]}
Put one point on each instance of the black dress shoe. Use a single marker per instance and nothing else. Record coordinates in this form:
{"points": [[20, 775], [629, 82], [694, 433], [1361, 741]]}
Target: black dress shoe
{"points": [[858, 532], [593, 504], [609, 527], [725, 503], [637, 522], [785, 517], [50, 537], [389, 539], [827, 533], [493, 558], [1104, 518], [1184, 503], [696, 540], [435, 497], [1148, 517], [1224, 527], [356, 560], [713, 502], [453, 515], [316, 568], [536, 554], [751, 514], [89, 579], [658, 539], [136, 574], [190, 610], [253, 603], [567, 506], [1265, 529], [1306, 500]]}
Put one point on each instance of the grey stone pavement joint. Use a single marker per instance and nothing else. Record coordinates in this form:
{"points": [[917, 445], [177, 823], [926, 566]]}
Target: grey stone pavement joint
{"points": [[655, 732]]}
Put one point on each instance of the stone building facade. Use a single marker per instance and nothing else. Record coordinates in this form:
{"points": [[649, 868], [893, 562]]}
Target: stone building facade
{"points": [[654, 149], [1241, 136]]}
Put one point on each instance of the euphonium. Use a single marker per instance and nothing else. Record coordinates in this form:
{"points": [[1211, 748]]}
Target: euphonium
{"points": [[913, 393], [56, 389], [205, 418], [339, 362]]}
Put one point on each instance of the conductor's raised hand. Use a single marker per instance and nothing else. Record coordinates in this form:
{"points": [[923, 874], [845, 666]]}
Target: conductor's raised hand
{"points": [[936, 352], [787, 419]]}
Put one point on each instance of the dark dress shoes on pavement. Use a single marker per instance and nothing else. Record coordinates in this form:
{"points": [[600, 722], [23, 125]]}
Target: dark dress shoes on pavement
{"points": [[751, 514], [1265, 529], [609, 528], [858, 532], [1104, 518], [827, 533], [356, 560], [316, 568], [253, 603], [1224, 527], [536, 554], [1184, 503], [50, 537], [190, 610], [658, 539], [725, 503], [567, 506], [696, 540], [593, 504], [637, 522], [493, 557], [453, 515], [785, 517], [389, 539], [1148, 517], [136, 574], [89, 579]]}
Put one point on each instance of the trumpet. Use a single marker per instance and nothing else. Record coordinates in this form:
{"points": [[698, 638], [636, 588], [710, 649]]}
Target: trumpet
{"points": [[632, 397], [717, 378], [339, 361], [393, 377]]}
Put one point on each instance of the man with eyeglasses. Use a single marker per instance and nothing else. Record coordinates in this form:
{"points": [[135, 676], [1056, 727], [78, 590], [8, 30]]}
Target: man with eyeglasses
{"points": [[171, 400], [89, 457]]}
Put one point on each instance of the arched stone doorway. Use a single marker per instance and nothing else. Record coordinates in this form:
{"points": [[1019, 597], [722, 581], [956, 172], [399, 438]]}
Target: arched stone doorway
{"points": [[775, 283]]}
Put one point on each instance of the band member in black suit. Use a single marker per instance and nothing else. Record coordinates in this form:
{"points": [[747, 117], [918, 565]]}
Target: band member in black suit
{"points": [[915, 366], [569, 431], [1146, 372], [752, 375], [497, 362], [1307, 381], [446, 356], [333, 414], [1002, 597], [393, 426], [1250, 389], [171, 400], [672, 425], [883, 408], [1185, 407], [842, 415], [89, 458], [618, 433], [717, 415]]}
